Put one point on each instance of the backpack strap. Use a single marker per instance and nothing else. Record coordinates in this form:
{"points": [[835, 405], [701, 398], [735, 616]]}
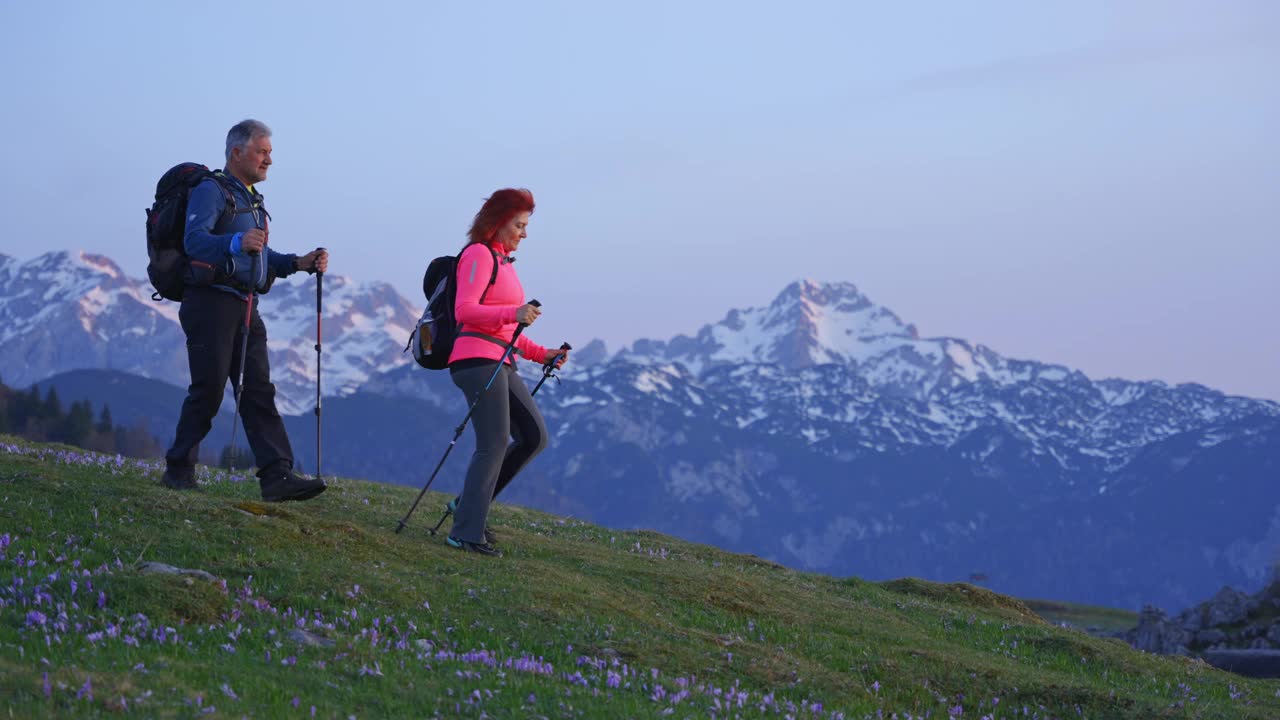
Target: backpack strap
{"points": [[229, 200], [493, 278]]}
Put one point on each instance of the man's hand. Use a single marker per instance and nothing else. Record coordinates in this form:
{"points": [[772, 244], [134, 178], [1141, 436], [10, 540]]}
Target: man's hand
{"points": [[315, 261], [252, 241]]}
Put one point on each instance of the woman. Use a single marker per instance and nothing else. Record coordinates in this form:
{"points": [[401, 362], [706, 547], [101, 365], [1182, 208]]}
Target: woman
{"points": [[488, 315]]}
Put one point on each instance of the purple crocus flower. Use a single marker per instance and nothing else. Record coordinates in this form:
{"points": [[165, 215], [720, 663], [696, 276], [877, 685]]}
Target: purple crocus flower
{"points": [[86, 690]]}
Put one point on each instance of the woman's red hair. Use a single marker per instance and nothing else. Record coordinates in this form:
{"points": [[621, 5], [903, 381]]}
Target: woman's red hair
{"points": [[498, 208]]}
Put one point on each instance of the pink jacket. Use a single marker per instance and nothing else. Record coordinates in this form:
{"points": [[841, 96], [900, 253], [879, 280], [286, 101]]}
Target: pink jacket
{"points": [[497, 316]]}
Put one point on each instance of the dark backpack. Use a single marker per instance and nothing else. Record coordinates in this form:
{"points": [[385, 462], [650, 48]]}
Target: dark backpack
{"points": [[168, 266], [433, 335]]}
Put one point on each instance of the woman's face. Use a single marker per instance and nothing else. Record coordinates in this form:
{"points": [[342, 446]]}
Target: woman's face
{"points": [[513, 232]]}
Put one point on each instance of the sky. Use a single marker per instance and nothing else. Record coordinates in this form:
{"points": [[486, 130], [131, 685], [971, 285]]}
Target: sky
{"points": [[1085, 183]]}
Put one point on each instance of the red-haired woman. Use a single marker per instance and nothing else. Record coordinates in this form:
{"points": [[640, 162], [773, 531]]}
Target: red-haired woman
{"points": [[488, 315]]}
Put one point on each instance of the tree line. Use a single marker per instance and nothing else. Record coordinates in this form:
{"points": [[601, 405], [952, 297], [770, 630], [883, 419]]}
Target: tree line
{"points": [[28, 414], [43, 418]]}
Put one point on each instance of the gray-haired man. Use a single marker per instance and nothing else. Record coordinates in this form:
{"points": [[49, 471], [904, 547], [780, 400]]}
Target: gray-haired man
{"points": [[226, 242]]}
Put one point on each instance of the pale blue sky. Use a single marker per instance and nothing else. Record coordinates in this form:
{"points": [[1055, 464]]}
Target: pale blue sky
{"points": [[1090, 183]]}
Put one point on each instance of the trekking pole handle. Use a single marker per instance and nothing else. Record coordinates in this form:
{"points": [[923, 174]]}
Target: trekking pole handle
{"points": [[520, 328], [563, 346]]}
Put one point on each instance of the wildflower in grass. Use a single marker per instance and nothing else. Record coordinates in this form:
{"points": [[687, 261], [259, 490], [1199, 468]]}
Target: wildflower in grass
{"points": [[48, 688], [296, 701], [86, 690], [35, 617], [226, 690]]}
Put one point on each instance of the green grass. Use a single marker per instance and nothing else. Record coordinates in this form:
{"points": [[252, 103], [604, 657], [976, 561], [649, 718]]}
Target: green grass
{"points": [[575, 621], [1084, 616]]}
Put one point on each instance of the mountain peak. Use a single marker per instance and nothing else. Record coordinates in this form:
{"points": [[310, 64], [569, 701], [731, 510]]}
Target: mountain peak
{"points": [[100, 263], [819, 292], [808, 323]]}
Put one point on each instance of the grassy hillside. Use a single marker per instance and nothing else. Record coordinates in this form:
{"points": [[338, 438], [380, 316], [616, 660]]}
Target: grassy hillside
{"points": [[1085, 617], [319, 608]]}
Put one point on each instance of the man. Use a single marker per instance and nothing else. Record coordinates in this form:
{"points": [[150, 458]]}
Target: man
{"points": [[226, 242]]}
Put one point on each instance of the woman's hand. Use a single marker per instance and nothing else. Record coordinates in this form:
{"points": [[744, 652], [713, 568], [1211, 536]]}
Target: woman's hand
{"points": [[557, 358], [526, 314]]}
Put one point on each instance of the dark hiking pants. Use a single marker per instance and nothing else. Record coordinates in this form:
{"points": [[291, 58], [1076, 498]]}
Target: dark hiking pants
{"points": [[505, 411], [214, 323]]}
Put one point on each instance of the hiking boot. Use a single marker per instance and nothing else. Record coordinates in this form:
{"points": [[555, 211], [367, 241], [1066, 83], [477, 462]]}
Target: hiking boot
{"points": [[482, 548], [281, 484], [451, 508], [177, 477]]}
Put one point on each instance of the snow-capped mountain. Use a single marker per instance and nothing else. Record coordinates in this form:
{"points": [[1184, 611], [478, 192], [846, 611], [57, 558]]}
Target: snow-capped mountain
{"points": [[808, 324], [364, 330], [65, 311], [825, 362]]}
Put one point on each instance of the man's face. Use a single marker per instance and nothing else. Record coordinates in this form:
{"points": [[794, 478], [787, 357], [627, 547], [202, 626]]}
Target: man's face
{"points": [[253, 159]]}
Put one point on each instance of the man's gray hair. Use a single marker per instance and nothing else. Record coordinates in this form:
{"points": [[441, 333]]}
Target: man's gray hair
{"points": [[243, 133]]}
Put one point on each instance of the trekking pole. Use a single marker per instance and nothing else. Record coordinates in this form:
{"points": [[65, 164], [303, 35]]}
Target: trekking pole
{"points": [[244, 351], [319, 294], [511, 346], [547, 371]]}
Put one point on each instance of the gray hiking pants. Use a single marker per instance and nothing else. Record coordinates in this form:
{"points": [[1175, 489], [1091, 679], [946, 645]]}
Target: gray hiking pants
{"points": [[505, 411]]}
